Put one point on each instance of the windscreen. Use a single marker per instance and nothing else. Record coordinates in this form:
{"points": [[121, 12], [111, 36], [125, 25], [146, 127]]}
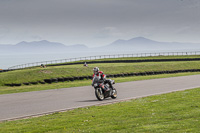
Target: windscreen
{"points": [[95, 79]]}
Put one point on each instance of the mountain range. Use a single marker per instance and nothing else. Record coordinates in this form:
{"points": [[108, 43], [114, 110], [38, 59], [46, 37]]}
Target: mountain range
{"points": [[134, 44], [43, 46], [141, 43]]}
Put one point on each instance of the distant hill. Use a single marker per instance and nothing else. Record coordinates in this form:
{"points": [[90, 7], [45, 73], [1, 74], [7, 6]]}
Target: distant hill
{"points": [[141, 43], [43, 46], [40, 44], [134, 41], [138, 44]]}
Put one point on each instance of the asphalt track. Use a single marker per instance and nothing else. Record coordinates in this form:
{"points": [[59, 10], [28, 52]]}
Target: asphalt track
{"points": [[22, 105]]}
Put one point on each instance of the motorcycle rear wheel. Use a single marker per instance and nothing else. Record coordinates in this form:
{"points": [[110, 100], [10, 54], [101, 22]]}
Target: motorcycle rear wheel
{"points": [[99, 95]]}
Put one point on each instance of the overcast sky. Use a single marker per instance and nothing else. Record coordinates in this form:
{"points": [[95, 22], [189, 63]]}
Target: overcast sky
{"points": [[98, 22]]}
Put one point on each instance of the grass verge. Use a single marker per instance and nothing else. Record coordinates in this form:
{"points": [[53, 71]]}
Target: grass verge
{"points": [[8, 90], [172, 112], [39, 74]]}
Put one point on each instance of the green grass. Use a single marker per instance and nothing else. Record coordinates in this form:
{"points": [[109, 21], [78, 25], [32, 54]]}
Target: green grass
{"points": [[39, 74], [8, 90], [172, 112]]}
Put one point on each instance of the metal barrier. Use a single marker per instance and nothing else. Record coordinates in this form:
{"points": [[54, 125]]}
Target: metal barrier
{"points": [[102, 57]]}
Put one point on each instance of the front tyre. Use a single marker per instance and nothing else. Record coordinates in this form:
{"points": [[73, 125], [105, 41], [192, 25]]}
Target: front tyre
{"points": [[114, 94], [99, 94]]}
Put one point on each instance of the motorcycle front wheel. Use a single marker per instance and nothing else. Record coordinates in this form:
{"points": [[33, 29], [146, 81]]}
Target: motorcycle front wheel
{"points": [[114, 94], [99, 94]]}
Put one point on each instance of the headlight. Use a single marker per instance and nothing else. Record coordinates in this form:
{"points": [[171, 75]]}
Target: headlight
{"points": [[113, 81], [95, 85]]}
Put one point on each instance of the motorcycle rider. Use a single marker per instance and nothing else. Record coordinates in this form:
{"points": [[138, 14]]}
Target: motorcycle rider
{"points": [[102, 77]]}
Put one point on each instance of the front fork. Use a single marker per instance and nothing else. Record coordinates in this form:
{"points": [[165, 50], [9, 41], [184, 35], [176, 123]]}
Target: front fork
{"points": [[100, 90]]}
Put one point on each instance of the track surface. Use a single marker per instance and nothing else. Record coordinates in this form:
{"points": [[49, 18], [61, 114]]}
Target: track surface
{"points": [[20, 105]]}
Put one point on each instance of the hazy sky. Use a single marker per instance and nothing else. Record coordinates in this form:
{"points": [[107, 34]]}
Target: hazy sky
{"points": [[98, 22]]}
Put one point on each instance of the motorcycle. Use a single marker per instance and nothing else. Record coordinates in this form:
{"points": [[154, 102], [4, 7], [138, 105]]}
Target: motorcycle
{"points": [[100, 89]]}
